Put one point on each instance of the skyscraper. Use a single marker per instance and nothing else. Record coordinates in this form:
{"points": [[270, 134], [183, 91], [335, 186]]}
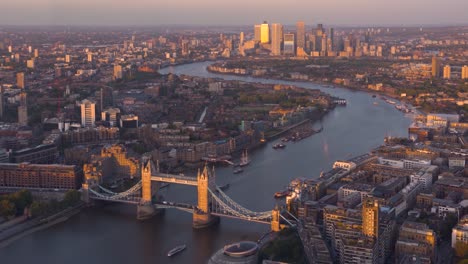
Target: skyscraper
{"points": [[20, 80], [370, 217], [346, 44], [117, 72], [241, 39], [435, 67], [331, 37], [265, 33], [464, 72], [88, 113], [276, 36], [90, 57], [300, 34], [329, 45], [107, 98], [258, 33], [319, 31], [447, 72], [358, 44], [314, 43], [324, 44], [289, 44], [30, 64], [23, 110]]}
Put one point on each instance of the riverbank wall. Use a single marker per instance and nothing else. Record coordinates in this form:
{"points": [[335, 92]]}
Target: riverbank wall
{"points": [[37, 224]]}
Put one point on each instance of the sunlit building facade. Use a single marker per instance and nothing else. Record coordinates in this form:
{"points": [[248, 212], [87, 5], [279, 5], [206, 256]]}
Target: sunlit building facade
{"points": [[265, 33], [370, 217], [258, 33], [300, 34], [435, 67], [447, 72], [276, 37], [88, 113]]}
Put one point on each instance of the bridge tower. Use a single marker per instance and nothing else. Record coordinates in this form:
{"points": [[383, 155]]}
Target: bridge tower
{"points": [[202, 217], [85, 193], [275, 219], [146, 209]]}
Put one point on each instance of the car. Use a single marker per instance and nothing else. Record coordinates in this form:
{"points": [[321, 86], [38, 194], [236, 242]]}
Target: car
{"points": [[164, 202]]}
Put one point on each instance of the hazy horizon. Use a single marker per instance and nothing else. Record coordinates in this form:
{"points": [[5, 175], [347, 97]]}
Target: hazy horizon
{"points": [[236, 13]]}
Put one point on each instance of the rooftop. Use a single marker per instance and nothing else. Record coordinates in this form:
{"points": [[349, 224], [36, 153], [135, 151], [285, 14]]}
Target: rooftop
{"points": [[359, 159], [414, 225], [27, 164], [453, 182], [356, 186]]}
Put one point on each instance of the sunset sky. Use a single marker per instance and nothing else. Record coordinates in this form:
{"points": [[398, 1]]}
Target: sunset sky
{"points": [[240, 12]]}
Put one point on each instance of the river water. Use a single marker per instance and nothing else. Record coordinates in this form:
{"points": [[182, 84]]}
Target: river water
{"points": [[111, 234]]}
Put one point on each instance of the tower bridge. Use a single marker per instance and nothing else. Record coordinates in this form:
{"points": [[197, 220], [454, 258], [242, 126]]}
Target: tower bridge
{"points": [[212, 202]]}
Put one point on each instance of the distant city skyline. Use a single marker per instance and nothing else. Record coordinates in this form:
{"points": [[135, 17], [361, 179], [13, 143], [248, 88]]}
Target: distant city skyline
{"points": [[240, 12]]}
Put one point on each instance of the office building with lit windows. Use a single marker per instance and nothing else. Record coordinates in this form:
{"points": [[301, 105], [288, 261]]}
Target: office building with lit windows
{"points": [[289, 48], [88, 113], [276, 38]]}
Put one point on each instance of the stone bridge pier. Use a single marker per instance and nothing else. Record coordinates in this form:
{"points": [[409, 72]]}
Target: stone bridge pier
{"points": [[146, 209], [203, 217]]}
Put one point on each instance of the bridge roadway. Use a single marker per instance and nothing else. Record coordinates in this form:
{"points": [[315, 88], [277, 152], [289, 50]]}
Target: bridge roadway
{"points": [[160, 205], [127, 200], [179, 179], [179, 206], [241, 218], [190, 208]]}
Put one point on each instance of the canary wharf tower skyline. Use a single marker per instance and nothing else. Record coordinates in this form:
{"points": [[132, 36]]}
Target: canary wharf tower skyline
{"points": [[213, 132], [240, 12]]}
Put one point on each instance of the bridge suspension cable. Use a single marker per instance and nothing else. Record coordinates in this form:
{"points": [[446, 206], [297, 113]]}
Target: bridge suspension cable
{"points": [[116, 196], [233, 204], [237, 210], [106, 190]]}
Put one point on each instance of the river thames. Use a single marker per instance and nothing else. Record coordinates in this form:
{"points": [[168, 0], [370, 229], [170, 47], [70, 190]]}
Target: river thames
{"points": [[112, 234]]}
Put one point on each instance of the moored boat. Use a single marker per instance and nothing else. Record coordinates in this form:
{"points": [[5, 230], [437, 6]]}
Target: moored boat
{"points": [[175, 250], [279, 146], [238, 170]]}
